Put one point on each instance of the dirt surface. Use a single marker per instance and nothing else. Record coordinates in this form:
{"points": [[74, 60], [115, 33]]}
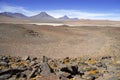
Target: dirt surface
{"points": [[58, 41], [100, 23]]}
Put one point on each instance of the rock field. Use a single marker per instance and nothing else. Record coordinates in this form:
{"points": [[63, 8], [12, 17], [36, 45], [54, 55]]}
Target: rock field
{"points": [[33, 68]]}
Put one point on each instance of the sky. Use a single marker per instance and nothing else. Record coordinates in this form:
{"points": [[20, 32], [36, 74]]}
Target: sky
{"points": [[83, 9]]}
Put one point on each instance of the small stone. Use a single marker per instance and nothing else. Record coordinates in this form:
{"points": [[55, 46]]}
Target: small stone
{"points": [[32, 73], [35, 58], [5, 59], [5, 76], [26, 58], [28, 61], [32, 63], [2, 63], [17, 59], [14, 66], [65, 74], [27, 72]]}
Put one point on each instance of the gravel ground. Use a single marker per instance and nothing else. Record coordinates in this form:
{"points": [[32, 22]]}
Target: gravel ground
{"points": [[58, 41]]}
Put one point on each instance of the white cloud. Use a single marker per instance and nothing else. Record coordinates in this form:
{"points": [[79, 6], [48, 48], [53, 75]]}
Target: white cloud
{"points": [[16, 9], [62, 12], [83, 15]]}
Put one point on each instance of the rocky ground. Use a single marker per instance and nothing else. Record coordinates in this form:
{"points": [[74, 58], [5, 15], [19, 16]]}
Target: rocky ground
{"points": [[33, 68]]}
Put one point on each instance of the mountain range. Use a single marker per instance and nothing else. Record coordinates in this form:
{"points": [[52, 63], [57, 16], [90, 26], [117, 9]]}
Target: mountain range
{"points": [[41, 17], [13, 15], [65, 17]]}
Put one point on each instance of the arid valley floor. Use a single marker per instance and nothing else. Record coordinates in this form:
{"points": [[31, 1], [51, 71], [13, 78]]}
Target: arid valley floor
{"points": [[58, 41], [73, 52]]}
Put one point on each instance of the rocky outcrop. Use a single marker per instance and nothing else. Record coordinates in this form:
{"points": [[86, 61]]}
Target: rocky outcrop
{"points": [[32, 68]]}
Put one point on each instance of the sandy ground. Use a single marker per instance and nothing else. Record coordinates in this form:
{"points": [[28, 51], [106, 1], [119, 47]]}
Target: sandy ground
{"points": [[49, 24], [58, 41], [100, 23]]}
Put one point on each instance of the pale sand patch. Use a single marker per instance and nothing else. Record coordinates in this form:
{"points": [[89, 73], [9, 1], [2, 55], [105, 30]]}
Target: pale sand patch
{"points": [[51, 24]]}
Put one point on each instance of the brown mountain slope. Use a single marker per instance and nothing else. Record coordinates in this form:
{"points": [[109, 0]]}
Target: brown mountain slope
{"points": [[5, 19]]}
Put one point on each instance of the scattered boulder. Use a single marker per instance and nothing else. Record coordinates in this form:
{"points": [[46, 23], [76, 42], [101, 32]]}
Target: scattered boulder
{"points": [[32, 68]]}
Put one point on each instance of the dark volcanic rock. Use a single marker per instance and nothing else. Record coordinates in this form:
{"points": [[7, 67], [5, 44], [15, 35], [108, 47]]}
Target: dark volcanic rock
{"points": [[30, 68]]}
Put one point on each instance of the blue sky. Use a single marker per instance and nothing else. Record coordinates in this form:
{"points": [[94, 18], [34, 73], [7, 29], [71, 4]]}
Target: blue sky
{"points": [[85, 9]]}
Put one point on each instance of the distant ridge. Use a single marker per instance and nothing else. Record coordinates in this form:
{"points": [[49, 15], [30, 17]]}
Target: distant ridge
{"points": [[41, 17], [65, 17], [13, 15]]}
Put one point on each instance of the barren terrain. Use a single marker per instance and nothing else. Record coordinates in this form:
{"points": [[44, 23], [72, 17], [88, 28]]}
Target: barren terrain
{"points": [[58, 41], [100, 23]]}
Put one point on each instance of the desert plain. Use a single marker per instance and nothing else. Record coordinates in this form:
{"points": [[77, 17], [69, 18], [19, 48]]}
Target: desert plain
{"points": [[62, 50], [60, 41]]}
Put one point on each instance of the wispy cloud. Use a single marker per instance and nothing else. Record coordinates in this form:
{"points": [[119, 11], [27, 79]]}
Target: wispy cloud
{"points": [[58, 13], [78, 13], [16, 9]]}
